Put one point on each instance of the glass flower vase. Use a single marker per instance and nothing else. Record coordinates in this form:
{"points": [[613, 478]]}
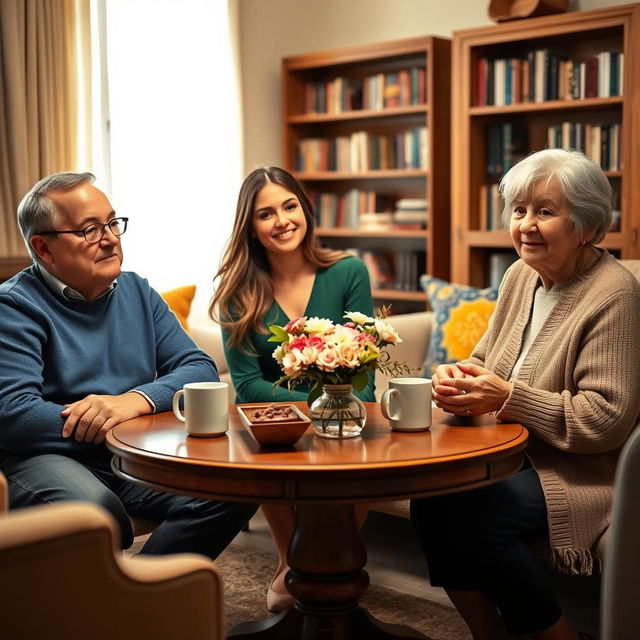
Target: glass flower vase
{"points": [[337, 412]]}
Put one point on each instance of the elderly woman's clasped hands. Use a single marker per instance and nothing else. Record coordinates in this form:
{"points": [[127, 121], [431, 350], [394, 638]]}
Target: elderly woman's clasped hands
{"points": [[466, 389]]}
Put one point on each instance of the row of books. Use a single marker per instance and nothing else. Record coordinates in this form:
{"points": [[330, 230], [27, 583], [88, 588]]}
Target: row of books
{"points": [[411, 213], [600, 142], [505, 144], [492, 207], [380, 91], [398, 270], [334, 210], [547, 75], [368, 210], [364, 151]]}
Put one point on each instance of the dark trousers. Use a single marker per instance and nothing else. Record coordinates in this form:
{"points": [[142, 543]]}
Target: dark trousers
{"points": [[479, 541], [184, 524]]}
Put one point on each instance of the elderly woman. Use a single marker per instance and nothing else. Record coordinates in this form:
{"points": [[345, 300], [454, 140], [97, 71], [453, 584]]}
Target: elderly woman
{"points": [[562, 357]]}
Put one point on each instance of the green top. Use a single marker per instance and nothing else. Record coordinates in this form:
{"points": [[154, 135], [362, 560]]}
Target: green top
{"points": [[344, 286]]}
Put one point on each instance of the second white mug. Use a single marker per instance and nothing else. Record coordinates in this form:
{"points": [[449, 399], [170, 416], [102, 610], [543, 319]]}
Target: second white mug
{"points": [[407, 404], [206, 408]]}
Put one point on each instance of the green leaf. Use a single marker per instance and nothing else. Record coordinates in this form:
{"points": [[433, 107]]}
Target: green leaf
{"points": [[315, 392], [279, 334], [360, 381]]}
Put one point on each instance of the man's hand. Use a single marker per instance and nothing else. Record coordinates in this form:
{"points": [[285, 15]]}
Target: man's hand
{"points": [[476, 391], [91, 417]]}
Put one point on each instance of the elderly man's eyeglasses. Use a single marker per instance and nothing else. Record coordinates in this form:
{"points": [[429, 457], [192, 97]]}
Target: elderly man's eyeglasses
{"points": [[95, 232]]}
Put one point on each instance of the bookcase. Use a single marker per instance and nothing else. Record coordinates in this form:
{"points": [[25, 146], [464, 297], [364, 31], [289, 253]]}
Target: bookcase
{"points": [[10, 266], [569, 80], [366, 130]]}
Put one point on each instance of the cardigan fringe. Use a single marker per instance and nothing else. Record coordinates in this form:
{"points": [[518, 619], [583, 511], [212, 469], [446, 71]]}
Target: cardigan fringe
{"points": [[573, 562]]}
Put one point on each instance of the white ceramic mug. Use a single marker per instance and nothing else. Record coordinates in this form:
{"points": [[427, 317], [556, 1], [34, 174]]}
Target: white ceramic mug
{"points": [[206, 408], [407, 404]]}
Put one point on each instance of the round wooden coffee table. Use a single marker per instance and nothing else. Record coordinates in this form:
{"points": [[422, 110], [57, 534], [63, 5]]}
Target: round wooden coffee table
{"points": [[323, 478]]}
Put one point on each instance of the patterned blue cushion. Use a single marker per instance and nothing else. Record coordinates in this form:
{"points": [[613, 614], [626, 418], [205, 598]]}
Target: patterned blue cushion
{"points": [[461, 316]]}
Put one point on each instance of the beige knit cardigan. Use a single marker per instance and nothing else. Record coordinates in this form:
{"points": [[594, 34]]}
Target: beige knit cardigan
{"points": [[576, 392]]}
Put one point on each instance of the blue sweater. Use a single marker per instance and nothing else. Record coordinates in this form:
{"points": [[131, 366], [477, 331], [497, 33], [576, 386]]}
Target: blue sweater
{"points": [[54, 351]]}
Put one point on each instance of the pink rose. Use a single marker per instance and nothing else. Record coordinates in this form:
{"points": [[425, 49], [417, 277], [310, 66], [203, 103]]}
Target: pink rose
{"points": [[296, 326], [315, 342], [299, 342], [302, 342]]}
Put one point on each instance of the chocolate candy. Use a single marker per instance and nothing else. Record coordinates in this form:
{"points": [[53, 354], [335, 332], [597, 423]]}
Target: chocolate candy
{"points": [[274, 413]]}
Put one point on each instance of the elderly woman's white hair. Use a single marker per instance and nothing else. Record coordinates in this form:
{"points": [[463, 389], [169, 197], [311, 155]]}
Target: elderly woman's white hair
{"points": [[582, 181]]}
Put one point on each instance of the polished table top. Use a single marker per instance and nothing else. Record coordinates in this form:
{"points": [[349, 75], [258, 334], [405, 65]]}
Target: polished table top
{"points": [[324, 478], [156, 450]]}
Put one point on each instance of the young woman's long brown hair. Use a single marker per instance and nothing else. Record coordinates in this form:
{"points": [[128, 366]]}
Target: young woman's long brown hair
{"points": [[245, 292]]}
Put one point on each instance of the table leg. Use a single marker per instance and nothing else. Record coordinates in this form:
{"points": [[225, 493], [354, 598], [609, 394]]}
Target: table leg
{"points": [[327, 578]]}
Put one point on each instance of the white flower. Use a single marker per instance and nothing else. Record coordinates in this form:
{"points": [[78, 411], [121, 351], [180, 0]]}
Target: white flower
{"points": [[357, 317], [386, 332], [343, 334], [318, 326], [348, 353], [310, 355], [278, 353], [327, 359], [293, 363]]}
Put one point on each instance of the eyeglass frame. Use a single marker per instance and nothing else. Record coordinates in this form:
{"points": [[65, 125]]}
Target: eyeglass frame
{"points": [[104, 226]]}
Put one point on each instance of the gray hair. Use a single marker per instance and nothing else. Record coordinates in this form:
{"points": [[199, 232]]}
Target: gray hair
{"points": [[582, 181], [37, 210]]}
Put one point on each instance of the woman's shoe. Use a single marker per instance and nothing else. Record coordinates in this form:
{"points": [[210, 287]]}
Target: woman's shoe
{"points": [[277, 601]]}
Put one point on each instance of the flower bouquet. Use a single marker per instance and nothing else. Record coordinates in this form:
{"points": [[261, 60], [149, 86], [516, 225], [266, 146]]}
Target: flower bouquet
{"points": [[334, 359]]}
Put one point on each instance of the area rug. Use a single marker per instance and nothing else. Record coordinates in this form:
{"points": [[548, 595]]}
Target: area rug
{"points": [[247, 572]]}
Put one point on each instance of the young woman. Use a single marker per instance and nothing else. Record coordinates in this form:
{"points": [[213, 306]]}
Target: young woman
{"points": [[274, 270]]}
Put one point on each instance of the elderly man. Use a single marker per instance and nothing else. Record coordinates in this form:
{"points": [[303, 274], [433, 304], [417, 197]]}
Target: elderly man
{"points": [[83, 347]]}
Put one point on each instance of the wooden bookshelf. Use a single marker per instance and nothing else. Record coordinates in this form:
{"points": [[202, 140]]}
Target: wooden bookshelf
{"points": [[10, 266], [575, 36], [303, 119]]}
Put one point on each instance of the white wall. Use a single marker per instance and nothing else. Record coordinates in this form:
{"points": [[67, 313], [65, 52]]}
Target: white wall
{"points": [[175, 136], [272, 29]]}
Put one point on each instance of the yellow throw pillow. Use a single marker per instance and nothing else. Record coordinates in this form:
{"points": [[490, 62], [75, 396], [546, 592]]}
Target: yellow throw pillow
{"points": [[179, 301], [461, 316]]}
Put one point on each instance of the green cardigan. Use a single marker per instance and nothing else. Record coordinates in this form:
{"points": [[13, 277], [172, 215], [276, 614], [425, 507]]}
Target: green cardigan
{"points": [[344, 286]]}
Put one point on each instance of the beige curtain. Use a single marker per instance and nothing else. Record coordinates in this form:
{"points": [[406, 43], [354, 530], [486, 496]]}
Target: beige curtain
{"points": [[38, 101]]}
